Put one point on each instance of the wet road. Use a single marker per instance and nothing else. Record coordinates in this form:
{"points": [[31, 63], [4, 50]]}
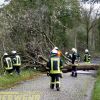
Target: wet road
{"points": [[71, 88]]}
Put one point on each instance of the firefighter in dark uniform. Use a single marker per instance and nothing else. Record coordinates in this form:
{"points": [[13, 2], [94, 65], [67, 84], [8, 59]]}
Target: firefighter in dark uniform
{"points": [[16, 61], [68, 55], [74, 56], [7, 63], [55, 66], [87, 56]]}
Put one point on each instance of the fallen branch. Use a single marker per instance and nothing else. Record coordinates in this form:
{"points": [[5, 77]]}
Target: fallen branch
{"points": [[42, 58]]}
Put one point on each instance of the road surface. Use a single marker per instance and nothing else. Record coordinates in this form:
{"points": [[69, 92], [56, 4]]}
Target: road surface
{"points": [[72, 88]]}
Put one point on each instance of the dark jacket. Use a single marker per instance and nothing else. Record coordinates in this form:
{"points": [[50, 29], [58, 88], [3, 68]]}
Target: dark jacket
{"points": [[54, 65], [87, 57], [74, 56]]}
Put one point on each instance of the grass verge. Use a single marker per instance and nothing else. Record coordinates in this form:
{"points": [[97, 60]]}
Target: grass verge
{"points": [[96, 91], [7, 81]]}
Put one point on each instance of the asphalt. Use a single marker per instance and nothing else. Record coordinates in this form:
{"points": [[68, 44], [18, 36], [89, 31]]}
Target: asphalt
{"points": [[72, 88]]}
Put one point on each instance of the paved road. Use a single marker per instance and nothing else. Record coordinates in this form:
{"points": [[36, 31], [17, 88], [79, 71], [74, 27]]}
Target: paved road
{"points": [[71, 89]]}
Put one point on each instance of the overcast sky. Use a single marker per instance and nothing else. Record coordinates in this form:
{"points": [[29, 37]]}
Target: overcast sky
{"points": [[3, 3], [86, 5]]}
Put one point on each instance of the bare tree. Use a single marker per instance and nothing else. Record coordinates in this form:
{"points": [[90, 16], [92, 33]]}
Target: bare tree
{"points": [[89, 19]]}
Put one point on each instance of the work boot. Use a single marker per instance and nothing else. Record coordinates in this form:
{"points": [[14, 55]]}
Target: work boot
{"points": [[75, 74], [58, 89], [72, 74], [51, 86]]}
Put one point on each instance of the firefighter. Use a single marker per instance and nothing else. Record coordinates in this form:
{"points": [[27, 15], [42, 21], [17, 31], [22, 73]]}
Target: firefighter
{"points": [[16, 61], [74, 56], [87, 56], [55, 66], [7, 63], [68, 55]]}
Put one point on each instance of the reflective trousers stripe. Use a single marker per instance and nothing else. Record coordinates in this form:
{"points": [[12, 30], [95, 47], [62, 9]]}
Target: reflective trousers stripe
{"points": [[55, 82]]}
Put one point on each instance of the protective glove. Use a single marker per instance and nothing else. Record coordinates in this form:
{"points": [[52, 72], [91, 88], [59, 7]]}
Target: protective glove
{"points": [[61, 76]]}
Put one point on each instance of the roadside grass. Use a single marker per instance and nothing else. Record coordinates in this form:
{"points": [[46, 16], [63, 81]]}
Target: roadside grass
{"points": [[7, 81], [96, 91]]}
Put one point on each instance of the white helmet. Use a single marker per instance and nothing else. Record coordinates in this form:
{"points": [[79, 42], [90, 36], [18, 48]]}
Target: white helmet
{"points": [[66, 53], [54, 51], [56, 48], [5, 54], [13, 51], [86, 50], [73, 50]]}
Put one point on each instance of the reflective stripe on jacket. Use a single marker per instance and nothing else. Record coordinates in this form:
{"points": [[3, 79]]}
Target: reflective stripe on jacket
{"points": [[8, 63], [55, 65], [87, 58], [17, 61]]}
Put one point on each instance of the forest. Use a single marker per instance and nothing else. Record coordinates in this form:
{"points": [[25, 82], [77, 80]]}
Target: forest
{"points": [[34, 27]]}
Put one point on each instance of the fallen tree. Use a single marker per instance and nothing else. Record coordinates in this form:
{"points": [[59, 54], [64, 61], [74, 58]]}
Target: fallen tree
{"points": [[81, 66], [68, 67], [40, 63]]}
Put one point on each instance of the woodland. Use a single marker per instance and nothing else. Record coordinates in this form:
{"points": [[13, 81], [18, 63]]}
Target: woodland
{"points": [[34, 27]]}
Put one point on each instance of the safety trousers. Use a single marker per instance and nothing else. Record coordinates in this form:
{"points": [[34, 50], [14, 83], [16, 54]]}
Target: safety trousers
{"points": [[17, 69], [74, 71], [55, 80]]}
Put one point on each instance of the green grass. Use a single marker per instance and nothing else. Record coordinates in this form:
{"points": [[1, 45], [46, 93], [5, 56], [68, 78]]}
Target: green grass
{"points": [[96, 91], [7, 81]]}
